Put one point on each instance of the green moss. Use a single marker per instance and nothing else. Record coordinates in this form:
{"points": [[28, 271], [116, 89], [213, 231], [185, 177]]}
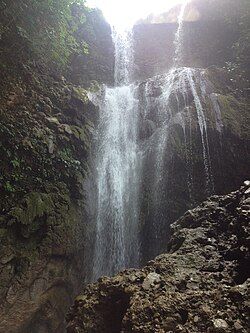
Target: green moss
{"points": [[39, 223], [35, 205], [82, 134], [94, 86], [80, 93], [234, 115]]}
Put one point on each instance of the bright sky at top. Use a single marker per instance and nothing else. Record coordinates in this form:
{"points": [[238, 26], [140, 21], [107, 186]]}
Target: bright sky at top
{"points": [[123, 13]]}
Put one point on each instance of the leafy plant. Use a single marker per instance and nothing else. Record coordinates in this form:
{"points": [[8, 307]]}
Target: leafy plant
{"points": [[9, 187], [45, 28], [15, 163]]}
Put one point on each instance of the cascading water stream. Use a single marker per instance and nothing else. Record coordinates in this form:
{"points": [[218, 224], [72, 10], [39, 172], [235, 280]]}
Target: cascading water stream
{"points": [[180, 82], [178, 41], [187, 79], [124, 56], [118, 176], [190, 75]]}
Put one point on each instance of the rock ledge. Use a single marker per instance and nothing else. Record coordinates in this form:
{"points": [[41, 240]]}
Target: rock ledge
{"points": [[200, 285]]}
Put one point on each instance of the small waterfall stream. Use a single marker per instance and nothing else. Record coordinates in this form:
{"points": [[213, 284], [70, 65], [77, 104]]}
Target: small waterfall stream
{"points": [[119, 156], [178, 41], [180, 82]]}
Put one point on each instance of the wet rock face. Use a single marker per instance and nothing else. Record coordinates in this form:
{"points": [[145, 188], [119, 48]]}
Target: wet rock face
{"points": [[200, 285], [216, 37], [98, 64], [45, 131], [175, 177], [205, 44], [46, 125], [212, 48]]}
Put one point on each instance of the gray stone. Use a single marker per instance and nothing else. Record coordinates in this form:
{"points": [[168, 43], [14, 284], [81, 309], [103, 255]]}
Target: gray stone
{"points": [[220, 325], [247, 183], [151, 280]]}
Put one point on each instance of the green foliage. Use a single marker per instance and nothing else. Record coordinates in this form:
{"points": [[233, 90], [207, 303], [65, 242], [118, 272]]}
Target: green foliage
{"points": [[70, 164], [15, 163], [9, 187], [43, 27], [65, 154], [25, 168]]}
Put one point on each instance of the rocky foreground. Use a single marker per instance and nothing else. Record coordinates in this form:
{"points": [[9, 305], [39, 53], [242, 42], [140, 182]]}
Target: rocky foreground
{"points": [[201, 285]]}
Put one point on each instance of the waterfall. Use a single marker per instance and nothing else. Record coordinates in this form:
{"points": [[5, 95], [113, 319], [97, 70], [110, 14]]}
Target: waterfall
{"points": [[180, 81], [178, 41], [178, 86], [216, 108], [134, 132], [117, 169], [188, 77], [124, 57], [174, 98]]}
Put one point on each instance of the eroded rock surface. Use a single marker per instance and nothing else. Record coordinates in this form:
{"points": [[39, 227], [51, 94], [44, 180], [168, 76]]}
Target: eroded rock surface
{"points": [[214, 46], [215, 33], [200, 285], [46, 125], [45, 130]]}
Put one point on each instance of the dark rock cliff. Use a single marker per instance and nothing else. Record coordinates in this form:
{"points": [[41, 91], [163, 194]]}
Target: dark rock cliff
{"points": [[98, 64], [215, 44], [215, 34], [200, 285], [45, 132], [183, 176], [46, 125]]}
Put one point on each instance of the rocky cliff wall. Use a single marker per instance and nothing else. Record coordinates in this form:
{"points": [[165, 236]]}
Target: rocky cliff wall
{"points": [[46, 125], [214, 49], [185, 162], [217, 35], [97, 66], [45, 136], [200, 285]]}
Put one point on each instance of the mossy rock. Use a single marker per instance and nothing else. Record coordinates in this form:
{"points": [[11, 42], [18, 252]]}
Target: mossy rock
{"points": [[234, 115], [39, 213], [177, 142], [81, 94], [34, 205]]}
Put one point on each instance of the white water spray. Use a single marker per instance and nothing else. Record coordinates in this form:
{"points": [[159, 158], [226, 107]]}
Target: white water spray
{"points": [[118, 176]]}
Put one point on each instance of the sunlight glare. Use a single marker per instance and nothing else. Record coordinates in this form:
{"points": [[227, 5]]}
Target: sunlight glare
{"points": [[122, 14]]}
